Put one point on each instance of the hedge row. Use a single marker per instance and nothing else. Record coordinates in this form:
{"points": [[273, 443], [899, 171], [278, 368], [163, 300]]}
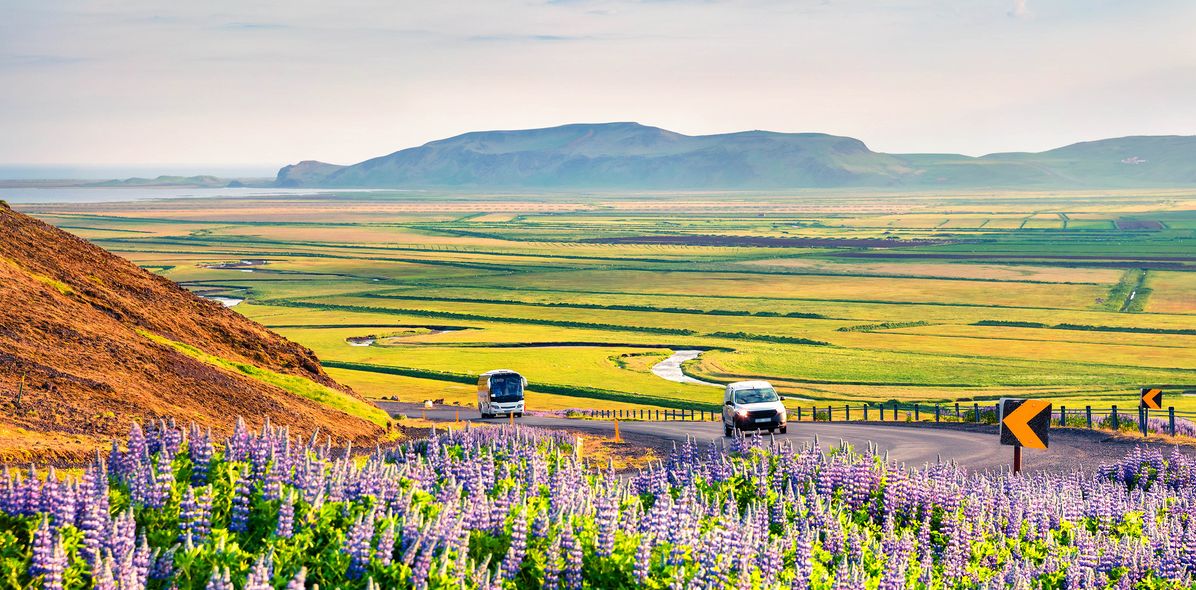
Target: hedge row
{"points": [[568, 390]]}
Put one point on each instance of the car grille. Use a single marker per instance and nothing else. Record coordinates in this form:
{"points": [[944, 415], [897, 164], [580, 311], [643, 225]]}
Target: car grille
{"points": [[762, 414]]}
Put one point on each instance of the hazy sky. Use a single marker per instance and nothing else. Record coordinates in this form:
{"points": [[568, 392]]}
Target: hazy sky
{"points": [[240, 84]]}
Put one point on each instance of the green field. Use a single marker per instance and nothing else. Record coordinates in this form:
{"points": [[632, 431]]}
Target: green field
{"points": [[832, 295]]}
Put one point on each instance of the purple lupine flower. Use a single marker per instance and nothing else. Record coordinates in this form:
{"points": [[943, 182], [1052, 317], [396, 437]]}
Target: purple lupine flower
{"points": [[358, 546], [105, 579], [221, 580], [299, 580], [239, 516], [260, 575], [643, 558], [122, 538], [552, 564], [386, 545], [513, 561], [572, 551], [285, 527], [199, 450], [163, 564], [607, 519]]}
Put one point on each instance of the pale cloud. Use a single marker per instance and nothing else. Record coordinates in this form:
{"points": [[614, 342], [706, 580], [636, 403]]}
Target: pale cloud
{"points": [[1020, 9], [272, 82]]}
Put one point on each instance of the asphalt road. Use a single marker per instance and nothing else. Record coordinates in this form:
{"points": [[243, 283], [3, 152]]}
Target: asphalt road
{"points": [[972, 446]]}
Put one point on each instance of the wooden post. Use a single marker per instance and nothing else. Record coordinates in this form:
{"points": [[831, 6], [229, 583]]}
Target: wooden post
{"points": [[847, 412], [894, 411], [1062, 415], [976, 409], [830, 416], [1017, 459], [799, 413], [1088, 416], [937, 413], [917, 412], [1171, 418], [956, 410], [865, 412], [658, 415], [1113, 418], [882, 412]]}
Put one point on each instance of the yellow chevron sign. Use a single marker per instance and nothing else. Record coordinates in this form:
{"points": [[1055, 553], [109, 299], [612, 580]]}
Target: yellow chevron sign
{"points": [[1152, 398], [1025, 423]]}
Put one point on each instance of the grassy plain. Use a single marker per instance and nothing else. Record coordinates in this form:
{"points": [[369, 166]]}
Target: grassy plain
{"points": [[842, 297]]}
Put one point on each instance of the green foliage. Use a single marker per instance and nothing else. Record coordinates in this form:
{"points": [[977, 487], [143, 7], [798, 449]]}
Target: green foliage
{"points": [[768, 338]]}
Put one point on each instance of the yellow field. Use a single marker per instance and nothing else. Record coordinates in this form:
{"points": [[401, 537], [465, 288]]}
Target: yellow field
{"points": [[867, 295]]}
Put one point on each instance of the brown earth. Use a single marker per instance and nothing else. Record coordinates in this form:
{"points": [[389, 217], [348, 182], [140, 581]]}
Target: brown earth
{"points": [[763, 241], [69, 319]]}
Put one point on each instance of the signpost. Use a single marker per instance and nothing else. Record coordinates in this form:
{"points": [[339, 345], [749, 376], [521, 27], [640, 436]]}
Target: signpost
{"points": [[1025, 423], [1152, 398]]}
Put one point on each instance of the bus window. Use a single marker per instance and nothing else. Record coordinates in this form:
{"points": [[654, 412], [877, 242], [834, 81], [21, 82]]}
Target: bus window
{"points": [[506, 388]]}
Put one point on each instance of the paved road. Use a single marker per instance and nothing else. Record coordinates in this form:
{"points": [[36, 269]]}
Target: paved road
{"points": [[974, 447]]}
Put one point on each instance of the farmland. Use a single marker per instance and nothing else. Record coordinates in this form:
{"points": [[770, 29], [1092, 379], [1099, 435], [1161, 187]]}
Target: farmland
{"points": [[833, 295]]}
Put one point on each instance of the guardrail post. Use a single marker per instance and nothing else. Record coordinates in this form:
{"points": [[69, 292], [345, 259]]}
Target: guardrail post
{"points": [[976, 409], [917, 412], [1062, 415], [937, 413], [1143, 418], [865, 412], [830, 416], [894, 411], [1171, 418], [957, 416], [1113, 419], [1088, 415], [882, 412], [847, 412], [799, 413]]}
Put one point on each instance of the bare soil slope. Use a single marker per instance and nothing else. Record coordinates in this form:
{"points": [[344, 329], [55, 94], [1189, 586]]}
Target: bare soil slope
{"points": [[73, 321]]}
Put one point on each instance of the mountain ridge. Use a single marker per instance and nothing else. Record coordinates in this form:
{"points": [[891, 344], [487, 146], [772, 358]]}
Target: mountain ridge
{"points": [[634, 156]]}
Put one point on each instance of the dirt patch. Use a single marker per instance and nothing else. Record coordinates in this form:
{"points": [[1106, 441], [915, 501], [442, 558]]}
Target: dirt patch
{"points": [[1138, 224], [765, 241]]}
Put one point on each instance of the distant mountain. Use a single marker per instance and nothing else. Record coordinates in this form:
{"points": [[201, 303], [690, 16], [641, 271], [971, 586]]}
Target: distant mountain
{"points": [[91, 342], [634, 156]]}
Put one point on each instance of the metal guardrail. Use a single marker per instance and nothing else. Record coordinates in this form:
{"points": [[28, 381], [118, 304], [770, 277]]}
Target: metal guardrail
{"points": [[1145, 422]]}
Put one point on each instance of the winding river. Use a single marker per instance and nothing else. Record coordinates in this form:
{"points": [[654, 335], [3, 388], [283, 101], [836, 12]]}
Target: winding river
{"points": [[670, 368]]}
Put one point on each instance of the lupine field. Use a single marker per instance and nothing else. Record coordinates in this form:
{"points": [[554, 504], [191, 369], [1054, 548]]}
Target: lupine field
{"points": [[512, 507]]}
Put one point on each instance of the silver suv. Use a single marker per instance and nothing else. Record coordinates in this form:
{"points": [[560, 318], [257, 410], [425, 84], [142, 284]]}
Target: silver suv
{"points": [[753, 405]]}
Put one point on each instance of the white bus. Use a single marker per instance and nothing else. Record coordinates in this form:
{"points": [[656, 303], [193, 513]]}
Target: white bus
{"points": [[501, 392]]}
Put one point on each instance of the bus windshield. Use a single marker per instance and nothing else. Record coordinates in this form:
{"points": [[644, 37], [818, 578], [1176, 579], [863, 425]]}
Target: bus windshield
{"points": [[506, 388], [755, 396]]}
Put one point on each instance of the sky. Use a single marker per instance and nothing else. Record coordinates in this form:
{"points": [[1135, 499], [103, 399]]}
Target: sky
{"points": [[245, 86]]}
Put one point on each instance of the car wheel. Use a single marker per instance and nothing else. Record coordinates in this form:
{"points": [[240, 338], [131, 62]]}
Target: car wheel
{"points": [[784, 429], [518, 414], [771, 430], [728, 431]]}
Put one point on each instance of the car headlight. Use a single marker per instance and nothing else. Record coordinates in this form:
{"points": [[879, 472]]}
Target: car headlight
{"points": [[741, 413]]}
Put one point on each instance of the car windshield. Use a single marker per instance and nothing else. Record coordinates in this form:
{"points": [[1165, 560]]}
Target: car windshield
{"points": [[755, 395], [506, 388]]}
